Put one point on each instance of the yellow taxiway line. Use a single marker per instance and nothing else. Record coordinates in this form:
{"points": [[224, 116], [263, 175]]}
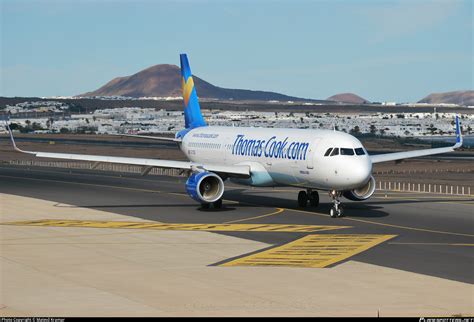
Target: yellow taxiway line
{"points": [[278, 211], [174, 226], [384, 224], [434, 244]]}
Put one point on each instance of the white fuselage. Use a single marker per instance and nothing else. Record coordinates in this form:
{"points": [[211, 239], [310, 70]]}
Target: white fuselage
{"points": [[283, 157]]}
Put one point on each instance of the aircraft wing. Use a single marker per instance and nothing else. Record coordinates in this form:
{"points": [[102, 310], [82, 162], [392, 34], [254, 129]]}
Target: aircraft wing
{"points": [[159, 138], [232, 170], [419, 153]]}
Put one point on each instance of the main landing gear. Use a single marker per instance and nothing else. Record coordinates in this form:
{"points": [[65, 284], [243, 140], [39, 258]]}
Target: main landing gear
{"points": [[216, 204], [308, 195], [336, 210]]}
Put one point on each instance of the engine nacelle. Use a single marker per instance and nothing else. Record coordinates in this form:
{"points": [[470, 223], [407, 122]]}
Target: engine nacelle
{"points": [[362, 193], [205, 187]]}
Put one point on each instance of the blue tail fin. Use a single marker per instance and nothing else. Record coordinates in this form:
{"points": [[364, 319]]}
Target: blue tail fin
{"points": [[192, 110]]}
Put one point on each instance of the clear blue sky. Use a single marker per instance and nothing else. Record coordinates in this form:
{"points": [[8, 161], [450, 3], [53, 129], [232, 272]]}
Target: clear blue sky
{"points": [[381, 50]]}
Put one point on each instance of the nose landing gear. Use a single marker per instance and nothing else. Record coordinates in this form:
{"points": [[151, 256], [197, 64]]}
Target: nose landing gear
{"points": [[336, 210]]}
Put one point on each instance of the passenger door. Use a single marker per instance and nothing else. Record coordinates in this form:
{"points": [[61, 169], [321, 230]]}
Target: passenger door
{"points": [[310, 155]]}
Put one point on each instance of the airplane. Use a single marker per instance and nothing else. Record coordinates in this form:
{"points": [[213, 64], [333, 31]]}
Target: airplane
{"points": [[311, 159]]}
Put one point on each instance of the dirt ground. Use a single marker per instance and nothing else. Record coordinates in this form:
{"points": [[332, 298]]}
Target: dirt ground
{"points": [[445, 172]]}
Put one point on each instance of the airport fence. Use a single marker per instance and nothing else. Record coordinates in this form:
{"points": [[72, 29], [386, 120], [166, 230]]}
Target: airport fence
{"points": [[112, 167], [397, 186], [422, 171], [444, 189]]}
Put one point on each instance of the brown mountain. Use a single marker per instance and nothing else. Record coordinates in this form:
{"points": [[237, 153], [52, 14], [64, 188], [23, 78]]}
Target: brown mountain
{"points": [[349, 98], [457, 97], [165, 81]]}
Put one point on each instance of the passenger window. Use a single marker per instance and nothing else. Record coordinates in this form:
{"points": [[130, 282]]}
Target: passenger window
{"points": [[360, 151], [328, 152], [335, 152], [347, 151]]}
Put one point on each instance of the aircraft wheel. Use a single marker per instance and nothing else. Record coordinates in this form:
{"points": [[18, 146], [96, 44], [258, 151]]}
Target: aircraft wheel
{"points": [[205, 205], [217, 204], [314, 199], [340, 212], [302, 199], [333, 212]]}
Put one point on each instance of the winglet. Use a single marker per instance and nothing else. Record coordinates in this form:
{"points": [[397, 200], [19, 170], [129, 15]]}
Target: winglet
{"points": [[458, 134], [13, 140]]}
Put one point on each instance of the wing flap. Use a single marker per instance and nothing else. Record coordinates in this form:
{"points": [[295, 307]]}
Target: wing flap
{"points": [[238, 170]]}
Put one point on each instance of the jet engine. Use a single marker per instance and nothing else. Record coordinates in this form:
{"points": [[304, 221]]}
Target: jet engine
{"points": [[361, 193], [205, 187]]}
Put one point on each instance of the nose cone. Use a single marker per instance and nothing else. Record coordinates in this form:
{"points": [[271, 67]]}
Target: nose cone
{"points": [[359, 172], [354, 173]]}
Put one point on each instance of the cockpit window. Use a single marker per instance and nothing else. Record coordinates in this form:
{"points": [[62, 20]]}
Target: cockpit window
{"points": [[335, 151], [327, 152], [347, 151], [360, 151]]}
